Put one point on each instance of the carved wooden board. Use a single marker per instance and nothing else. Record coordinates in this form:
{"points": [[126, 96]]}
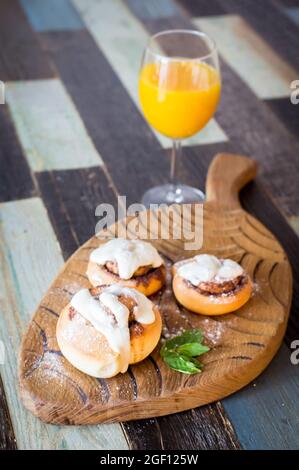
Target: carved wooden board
{"points": [[242, 343]]}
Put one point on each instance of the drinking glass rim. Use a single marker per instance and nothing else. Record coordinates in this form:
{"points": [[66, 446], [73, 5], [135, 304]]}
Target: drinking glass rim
{"points": [[186, 31]]}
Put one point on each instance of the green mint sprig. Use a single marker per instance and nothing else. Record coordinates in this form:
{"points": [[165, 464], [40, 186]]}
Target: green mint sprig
{"points": [[180, 352]]}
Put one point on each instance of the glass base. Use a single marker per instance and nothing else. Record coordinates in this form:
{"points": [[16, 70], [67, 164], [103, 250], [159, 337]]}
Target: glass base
{"points": [[172, 194]]}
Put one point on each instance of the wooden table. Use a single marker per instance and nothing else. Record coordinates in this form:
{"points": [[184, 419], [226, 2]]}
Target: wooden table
{"points": [[72, 137]]}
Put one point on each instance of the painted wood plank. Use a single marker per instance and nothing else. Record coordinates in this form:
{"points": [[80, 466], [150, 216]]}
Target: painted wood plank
{"points": [[51, 15], [287, 112], [71, 198], [128, 148], [272, 396], [247, 121], [294, 222], [21, 57], [210, 8], [249, 55], [122, 39], [202, 428], [271, 23], [293, 14], [49, 127], [31, 258], [153, 9], [15, 177]]}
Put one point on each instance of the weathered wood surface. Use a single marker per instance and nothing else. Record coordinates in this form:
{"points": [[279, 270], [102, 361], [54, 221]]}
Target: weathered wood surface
{"points": [[52, 15], [242, 344], [60, 142], [19, 184], [23, 59]]}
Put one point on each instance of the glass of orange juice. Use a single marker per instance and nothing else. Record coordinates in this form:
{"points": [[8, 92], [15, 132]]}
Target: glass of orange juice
{"points": [[179, 90]]}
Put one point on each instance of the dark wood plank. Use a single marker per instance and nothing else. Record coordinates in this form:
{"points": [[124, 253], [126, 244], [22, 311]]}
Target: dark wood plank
{"points": [[7, 438], [21, 57], [272, 24], [248, 121], [288, 3], [202, 8], [198, 429], [15, 177], [119, 132], [71, 197], [287, 112]]}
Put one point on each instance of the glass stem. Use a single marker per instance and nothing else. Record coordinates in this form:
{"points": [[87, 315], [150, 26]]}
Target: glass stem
{"points": [[176, 155]]}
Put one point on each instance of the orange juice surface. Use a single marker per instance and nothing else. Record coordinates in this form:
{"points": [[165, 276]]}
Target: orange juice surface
{"points": [[179, 97]]}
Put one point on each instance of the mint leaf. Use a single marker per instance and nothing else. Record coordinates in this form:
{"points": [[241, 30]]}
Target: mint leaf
{"points": [[189, 336], [182, 363], [192, 349], [181, 351]]}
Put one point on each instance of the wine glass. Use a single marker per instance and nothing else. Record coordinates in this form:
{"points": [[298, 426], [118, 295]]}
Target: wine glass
{"points": [[179, 90]]}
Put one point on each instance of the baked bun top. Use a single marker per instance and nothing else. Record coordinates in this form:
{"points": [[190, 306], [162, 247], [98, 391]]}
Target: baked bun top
{"points": [[210, 274], [109, 310], [127, 257]]}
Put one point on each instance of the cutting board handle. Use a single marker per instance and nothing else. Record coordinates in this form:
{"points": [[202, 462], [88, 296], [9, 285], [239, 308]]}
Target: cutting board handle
{"points": [[227, 175]]}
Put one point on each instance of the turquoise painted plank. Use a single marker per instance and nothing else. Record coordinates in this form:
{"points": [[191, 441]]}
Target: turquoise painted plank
{"points": [[264, 71], [153, 9], [30, 259], [265, 414], [293, 13], [49, 127], [122, 38], [51, 15]]}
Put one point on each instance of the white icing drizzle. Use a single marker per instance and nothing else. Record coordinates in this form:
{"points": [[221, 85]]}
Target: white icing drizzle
{"points": [[205, 268], [114, 327], [128, 254]]}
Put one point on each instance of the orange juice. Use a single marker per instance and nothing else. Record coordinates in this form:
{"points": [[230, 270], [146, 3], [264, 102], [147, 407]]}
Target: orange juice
{"points": [[179, 97]]}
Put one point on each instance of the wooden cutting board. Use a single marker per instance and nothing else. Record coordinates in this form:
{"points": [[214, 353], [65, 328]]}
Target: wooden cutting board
{"points": [[242, 344]]}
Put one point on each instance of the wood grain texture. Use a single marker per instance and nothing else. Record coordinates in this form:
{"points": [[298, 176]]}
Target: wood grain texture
{"points": [[28, 240], [151, 388], [253, 129], [22, 57], [249, 55], [7, 438], [15, 178], [57, 143], [204, 428], [122, 38], [51, 15], [71, 198]]}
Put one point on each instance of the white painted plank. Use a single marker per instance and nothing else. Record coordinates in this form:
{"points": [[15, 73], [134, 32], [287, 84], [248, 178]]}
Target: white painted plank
{"points": [[265, 414], [49, 127], [249, 55], [122, 38], [30, 259]]}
